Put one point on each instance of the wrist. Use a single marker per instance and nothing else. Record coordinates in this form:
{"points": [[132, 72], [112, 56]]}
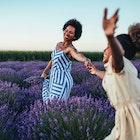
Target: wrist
{"points": [[87, 59], [96, 72]]}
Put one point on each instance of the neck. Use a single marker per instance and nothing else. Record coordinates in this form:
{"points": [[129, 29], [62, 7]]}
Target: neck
{"points": [[66, 44]]}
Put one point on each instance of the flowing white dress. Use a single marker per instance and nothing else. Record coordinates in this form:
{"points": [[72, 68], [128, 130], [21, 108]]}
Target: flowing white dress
{"points": [[123, 91]]}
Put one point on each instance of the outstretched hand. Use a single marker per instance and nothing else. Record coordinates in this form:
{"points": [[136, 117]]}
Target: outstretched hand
{"points": [[109, 25], [87, 62], [91, 68], [43, 75]]}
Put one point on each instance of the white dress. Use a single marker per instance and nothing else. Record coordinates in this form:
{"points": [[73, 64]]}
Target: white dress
{"points": [[123, 91]]}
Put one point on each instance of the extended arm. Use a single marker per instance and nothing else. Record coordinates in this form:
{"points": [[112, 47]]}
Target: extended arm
{"points": [[99, 73], [46, 70], [79, 56], [93, 70]]}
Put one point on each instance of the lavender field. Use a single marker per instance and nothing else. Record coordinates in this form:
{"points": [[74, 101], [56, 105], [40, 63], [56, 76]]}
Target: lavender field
{"points": [[87, 115]]}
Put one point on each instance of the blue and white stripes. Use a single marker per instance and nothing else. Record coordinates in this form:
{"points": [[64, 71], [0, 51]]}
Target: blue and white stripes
{"points": [[60, 83]]}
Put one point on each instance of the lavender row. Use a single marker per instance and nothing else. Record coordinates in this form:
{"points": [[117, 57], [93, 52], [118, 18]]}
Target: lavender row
{"points": [[86, 115]]}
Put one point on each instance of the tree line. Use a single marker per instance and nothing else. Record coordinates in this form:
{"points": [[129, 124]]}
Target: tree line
{"points": [[40, 55], [44, 55]]}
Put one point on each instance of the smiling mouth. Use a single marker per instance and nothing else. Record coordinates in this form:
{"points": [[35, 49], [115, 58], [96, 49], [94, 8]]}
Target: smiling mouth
{"points": [[104, 56], [66, 37]]}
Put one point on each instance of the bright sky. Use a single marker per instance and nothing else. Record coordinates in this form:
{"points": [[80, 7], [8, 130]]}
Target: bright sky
{"points": [[36, 25]]}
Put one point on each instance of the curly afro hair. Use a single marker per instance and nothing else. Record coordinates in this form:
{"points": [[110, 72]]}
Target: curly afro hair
{"points": [[77, 25], [134, 32]]}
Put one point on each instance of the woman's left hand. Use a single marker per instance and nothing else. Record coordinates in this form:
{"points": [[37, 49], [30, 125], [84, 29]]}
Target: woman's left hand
{"points": [[109, 25]]}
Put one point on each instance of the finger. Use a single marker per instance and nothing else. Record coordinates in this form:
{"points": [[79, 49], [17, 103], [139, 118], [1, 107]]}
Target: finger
{"points": [[116, 13], [105, 14]]}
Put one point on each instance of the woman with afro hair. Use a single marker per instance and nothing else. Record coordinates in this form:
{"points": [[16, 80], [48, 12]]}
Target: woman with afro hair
{"points": [[60, 80]]}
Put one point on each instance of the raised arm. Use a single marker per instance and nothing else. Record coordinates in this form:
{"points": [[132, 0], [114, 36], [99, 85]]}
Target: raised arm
{"points": [[109, 26]]}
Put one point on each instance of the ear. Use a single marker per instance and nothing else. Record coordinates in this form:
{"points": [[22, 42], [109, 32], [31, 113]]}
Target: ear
{"points": [[123, 52]]}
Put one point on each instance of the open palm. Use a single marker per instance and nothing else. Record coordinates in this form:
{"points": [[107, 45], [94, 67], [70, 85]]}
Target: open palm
{"points": [[109, 25]]}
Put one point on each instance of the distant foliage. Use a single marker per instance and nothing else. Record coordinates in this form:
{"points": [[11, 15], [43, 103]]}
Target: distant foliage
{"points": [[44, 56], [24, 56], [39, 55]]}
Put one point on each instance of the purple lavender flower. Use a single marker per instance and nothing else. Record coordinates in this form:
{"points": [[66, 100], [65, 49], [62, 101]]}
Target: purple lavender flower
{"points": [[87, 114]]}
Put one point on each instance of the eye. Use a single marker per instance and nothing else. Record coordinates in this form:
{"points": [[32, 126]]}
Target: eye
{"points": [[72, 33], [65, 30]]}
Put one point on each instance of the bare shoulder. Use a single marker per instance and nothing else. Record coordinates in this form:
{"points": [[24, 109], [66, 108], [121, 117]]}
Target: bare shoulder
{"points": [[58, 45], [72, 49]]}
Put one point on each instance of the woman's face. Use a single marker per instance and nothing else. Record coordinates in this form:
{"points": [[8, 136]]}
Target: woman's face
{"points": [[69, 33], [107, 54]]}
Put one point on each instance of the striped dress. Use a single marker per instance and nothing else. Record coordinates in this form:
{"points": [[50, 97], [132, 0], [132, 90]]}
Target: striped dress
{"points": [[60, 82]]}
